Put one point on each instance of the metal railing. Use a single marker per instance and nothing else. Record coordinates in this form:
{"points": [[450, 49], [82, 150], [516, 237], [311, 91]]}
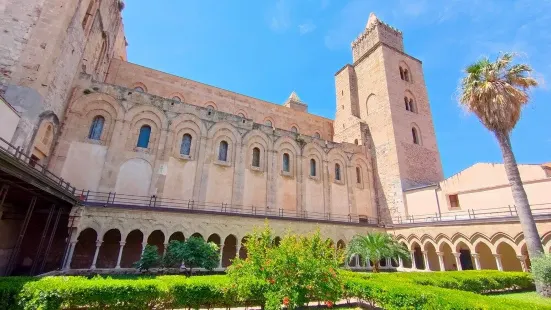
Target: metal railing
{"points": [[17, 154], [90, 198], [542, 209]]}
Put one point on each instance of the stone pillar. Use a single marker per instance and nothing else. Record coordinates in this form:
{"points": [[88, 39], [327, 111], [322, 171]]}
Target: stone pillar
{"points": [[346, 259], [458, 261], [476, 258], [426, 259], [166, 248], [121, 247], [144, 244], [498, 262], [413, 264], [441, 261], [237, 248], [70, 255], [368, 264], [221, 256], [98, 245], [522, 259], [357, 258], [400, 263]]}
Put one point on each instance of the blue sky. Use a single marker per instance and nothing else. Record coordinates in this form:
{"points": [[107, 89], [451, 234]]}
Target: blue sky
{"points": [[266, 49]]}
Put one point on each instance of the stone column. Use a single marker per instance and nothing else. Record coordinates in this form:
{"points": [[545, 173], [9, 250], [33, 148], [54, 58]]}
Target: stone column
{"points": [[70, 255], [441, 261], [522, 259], [413, 264], [221, 256], [498, 262], [98, 245], [144, 244], [389, 263], [237, 248], [368, 264], [400, 263], [476, 258], [357, 258], [121, 247], [166, 248], [458, 261], [426, 260]]}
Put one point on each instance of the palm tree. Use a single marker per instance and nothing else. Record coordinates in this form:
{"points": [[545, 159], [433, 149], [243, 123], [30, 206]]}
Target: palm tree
{"points": [[496, 92], [376, 246]]}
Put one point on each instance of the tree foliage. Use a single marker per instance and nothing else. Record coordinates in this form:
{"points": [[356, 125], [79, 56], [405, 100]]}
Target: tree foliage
{"points": [[541, 270], [376, 246], [195, 252], [298, 270], [149, 259]]}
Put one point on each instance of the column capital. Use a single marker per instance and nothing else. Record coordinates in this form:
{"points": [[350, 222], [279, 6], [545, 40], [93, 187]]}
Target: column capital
{"points": [[456, 254], [440, 253], [496, 255], [521, 257], [475, 255], [98, 243], [122, 243], [412, 251], [425, 252]]}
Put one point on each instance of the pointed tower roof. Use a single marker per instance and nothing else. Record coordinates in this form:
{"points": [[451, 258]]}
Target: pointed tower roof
{"points": [[373, 20], [294, 97]]}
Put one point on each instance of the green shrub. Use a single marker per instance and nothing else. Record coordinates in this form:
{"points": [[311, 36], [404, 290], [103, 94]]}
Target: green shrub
{"points": [[197, 253], [541, 269], [150, 258], [9, 291]]}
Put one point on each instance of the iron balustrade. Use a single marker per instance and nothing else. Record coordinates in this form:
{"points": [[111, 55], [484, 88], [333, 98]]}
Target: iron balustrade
{"points": [[154, 202]]}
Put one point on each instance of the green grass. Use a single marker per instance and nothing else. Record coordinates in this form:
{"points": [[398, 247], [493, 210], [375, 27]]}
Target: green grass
{"points": [[531, 297]]}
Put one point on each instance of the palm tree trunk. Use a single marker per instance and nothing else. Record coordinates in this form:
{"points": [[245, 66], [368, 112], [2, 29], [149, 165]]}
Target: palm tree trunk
{"points": [[375, 266], [531, 235]]}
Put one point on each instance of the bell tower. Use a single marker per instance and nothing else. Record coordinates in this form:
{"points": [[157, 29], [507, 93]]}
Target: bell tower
{"points": [[382, 102]]}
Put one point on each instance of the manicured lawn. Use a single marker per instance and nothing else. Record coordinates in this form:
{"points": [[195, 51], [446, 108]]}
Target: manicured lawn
{"points": [[532, 297]]}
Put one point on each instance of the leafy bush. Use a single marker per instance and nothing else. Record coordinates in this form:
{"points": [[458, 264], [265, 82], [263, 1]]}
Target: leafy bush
{"points": [[9, 290], [298, 270], [541, 269], [197, 253], [149, 259]]}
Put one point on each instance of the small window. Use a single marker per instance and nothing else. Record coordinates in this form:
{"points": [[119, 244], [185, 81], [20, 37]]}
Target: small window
{"points": [[356, 141], [411, 105], [241, 115], [139, 89], [176, 98], [402, 73], [337, 172], [256, 157], [96, 128], [406, 101], [454, 201], [143, 138], [406, 75], [268, 123], [294, 129], [317, 135], [358, 175], [210, 107], [415, 135], [47, 135], [312, 167], [286, 162], [223, 151], [185, 148]]}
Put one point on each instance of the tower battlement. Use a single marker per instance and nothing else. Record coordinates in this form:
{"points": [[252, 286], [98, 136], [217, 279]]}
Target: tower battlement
{"points": [[376, 32]]}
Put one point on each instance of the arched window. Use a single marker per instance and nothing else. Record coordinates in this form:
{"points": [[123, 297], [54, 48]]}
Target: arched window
{"points": [[406, 101], [317, 135], [268, 123], [415, 135], [358, 175], [401, 73], [89, 13], [294, 129], [337, 172], [185, 148], [312, 167], [241, 115], [46, 138], [176, 98], [210, 107], [256, 157], [356, 141], [102, 53], [223, 151], [286, 162], [411, 106], [96, 128], [406, 75], [139, 88], [143, 138]]}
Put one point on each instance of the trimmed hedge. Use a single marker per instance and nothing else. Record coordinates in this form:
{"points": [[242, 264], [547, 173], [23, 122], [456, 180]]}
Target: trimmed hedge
{"points": [[390, 291]]}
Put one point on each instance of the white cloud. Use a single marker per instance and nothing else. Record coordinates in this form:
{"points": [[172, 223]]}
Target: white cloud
{"points": [[280, 16], [306, 27]]}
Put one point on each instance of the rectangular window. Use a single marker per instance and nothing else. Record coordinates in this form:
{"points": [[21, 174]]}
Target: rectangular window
{"points": [[454, 202]]}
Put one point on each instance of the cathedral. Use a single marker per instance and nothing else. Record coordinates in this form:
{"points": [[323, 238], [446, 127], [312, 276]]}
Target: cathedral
{"points": [[101, 156]]}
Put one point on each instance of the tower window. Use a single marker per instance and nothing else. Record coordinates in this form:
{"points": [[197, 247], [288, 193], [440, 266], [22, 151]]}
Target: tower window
{"points": [[286, 162], [406, 101], [294, 129], [185, 149], [223, 151], [415, 135], [337, 172], [411, 105], [406, 75], [358, 175], [143, 138], [356, 141], [317, 135], [176, 98], [312, 167], [402, 73], [268, 123], [256, 157], [96, 128], [139, 89]]}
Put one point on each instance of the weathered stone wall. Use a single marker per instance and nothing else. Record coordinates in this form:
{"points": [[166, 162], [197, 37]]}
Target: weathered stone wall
{"points": [[114, 163]]}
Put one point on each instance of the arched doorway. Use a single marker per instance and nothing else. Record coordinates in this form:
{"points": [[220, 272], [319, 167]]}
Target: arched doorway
{"points": [[132, 250], [84, 249], [109, 250], [449, 259], [465, 256], [434, 263], [509, 259], [157, 238], [230, 249], [485, 256], [418, 256]]}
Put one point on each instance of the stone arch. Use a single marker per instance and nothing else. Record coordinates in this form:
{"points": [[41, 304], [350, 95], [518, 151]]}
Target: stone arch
{"points": [[186, 124], [134, 177], [508, 252], [479, 237], [140, 116], [509, 242], [132, 249], [85, 248], [546, 241], [139, 85], [157, 238], [416, 134], [89, 102], [211, 103], [178, 236], [241, 113], [314, 156], [177, 95], [109, 249], [267, 121], [337, 156], [224, 132], [215, 238], [485, 251], [256, 138], [415, 246], [370, 105], [429, 249], [294, 125], [230, 250]]}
